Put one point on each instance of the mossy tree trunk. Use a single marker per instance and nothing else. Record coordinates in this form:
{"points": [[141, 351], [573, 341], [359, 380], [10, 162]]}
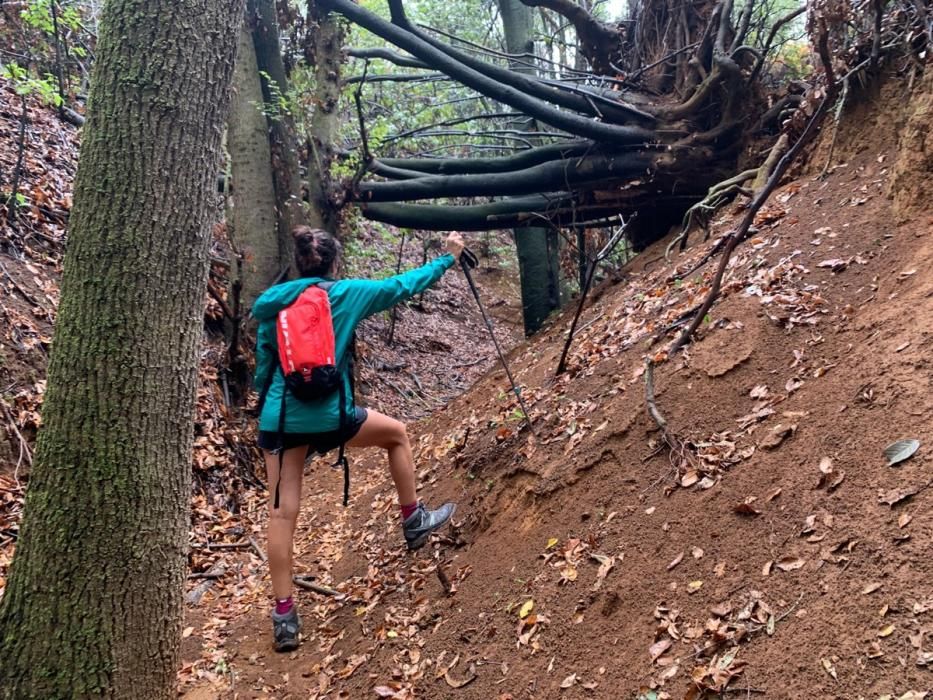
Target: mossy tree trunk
{"points": [[93, 606], [537, 247], [252, 219]]}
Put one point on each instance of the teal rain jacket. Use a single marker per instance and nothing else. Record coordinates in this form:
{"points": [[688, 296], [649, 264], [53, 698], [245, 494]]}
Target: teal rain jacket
{"points": [[350, 301]]}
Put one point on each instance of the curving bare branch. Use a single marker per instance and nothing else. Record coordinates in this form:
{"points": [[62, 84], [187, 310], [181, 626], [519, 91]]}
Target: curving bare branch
{"points": [[601, 169]]}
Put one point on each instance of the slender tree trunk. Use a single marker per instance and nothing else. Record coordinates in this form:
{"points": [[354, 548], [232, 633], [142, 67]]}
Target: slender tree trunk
{"points": [[252, 219], [323, 52], [537, 248], [282, 142], [93, 605]]}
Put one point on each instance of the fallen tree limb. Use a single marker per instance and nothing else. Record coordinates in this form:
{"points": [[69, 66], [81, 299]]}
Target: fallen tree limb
{"points": [[452, 122], [388, 55], [546, 177], [195, 594], [580, 99], [516, 212], [397, 78], [461, 166], [72, 117], [314, 587]]}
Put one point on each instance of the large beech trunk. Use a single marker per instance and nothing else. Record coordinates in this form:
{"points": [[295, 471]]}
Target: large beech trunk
{"points": [[282, 141], [537, 247], [252, 219], [93, 606], [323, 52]]}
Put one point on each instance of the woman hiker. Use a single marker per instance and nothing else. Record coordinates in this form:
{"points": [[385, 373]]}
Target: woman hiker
{"points": [[316, 426]]}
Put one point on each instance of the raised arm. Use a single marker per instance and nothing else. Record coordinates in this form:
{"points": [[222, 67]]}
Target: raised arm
{"points": [[372, 296]]}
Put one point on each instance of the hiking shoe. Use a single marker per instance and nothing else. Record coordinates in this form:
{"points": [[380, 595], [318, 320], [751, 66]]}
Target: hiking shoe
{"points": [[420, 524], [285, 629]]}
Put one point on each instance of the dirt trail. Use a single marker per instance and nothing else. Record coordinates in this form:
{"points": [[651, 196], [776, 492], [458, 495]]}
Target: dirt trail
{"points": [[591, 565]]}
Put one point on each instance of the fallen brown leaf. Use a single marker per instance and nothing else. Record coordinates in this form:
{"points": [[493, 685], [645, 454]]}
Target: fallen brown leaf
{"points": [[658, 648], [746, 507], [790, 563], [895, 496]]}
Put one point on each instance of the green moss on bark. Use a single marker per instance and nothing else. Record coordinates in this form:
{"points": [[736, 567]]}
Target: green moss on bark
{"points": [[94, 600]]}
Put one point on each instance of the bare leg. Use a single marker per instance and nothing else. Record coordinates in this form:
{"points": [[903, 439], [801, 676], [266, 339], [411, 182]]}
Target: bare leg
{"points": [[282, 519], [381, 431]]}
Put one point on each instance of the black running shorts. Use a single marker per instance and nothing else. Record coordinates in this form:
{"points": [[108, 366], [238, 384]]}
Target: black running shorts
{"points": [[322, 443]]}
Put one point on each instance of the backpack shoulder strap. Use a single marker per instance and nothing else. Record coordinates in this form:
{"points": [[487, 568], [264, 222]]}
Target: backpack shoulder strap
{"points": [[265, 387]]}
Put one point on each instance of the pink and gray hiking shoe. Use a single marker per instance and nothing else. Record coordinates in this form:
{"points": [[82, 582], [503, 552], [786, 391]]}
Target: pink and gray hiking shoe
{"points": [[419, 525], [285, 629]]}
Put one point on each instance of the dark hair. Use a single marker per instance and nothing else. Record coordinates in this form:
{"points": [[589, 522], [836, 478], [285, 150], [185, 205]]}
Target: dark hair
{"points": [[315, 251]]}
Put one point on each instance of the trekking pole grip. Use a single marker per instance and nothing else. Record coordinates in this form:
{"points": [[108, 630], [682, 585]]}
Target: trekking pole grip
{"points": [[468, 259]]}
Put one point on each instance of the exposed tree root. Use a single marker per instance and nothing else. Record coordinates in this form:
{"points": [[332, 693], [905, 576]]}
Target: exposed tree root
{"points": [[837, 117], [702, 212], [680, 452], [729, 242]]}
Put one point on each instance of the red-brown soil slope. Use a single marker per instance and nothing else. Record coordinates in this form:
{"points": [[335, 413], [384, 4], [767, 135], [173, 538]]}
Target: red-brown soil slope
{"points": [[785, 559]]}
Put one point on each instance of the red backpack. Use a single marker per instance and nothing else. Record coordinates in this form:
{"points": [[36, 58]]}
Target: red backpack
{"points": [[305, 332], [307, 359]]}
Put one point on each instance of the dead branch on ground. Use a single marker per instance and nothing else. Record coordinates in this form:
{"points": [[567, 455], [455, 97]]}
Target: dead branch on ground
{"points": [[315, 587]]}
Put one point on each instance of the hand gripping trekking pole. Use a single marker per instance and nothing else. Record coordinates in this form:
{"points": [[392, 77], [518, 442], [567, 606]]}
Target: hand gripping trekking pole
{"points": [[468, 261]]}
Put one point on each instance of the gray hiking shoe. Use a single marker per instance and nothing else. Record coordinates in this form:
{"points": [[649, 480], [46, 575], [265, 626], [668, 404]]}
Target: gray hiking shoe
{"points": [[420, 524], [285, 629]]}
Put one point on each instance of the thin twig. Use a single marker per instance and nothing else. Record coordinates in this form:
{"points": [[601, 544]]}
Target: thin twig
{"points": [[398, 270], [18, 287], [472, 363], [195, 594], [24, 450], [256, 548], [228, 312], [12, 203], [442, 577], [221, 545], [590, 273]]}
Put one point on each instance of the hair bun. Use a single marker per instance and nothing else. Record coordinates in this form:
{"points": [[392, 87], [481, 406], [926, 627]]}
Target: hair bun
{"points": [[315, 251]]}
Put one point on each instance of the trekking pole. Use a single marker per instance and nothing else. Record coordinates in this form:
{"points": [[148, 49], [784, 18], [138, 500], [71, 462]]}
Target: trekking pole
{"points": [[468, 261]]}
